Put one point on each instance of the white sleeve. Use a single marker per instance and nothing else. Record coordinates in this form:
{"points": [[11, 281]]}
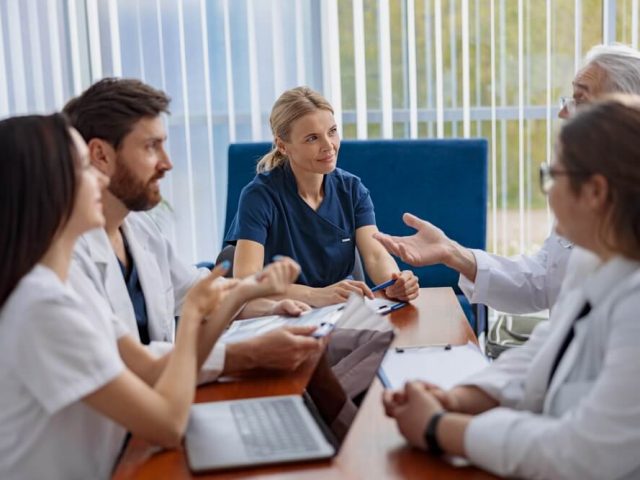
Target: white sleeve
{"points": [[183, 277], [212, 366], [62, 355], [505, 378], [514, 285], [119, 327], [599, 438]]}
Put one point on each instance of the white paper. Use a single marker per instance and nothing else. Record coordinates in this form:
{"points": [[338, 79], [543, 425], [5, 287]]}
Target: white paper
{"points": [[356, 313], [362, 314], [437, 365], [251, 327]]}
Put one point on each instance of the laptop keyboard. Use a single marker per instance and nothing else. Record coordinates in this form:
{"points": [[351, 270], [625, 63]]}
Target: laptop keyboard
{"points": [[269, 427]]}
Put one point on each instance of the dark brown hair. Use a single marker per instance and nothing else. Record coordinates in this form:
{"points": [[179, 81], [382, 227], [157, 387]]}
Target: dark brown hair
{"points": [[604, 139], [38, 181], [109, 108]]}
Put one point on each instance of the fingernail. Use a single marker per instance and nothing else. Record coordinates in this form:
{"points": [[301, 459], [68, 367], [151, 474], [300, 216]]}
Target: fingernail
{"points": [[226, 264], [277, 257]]}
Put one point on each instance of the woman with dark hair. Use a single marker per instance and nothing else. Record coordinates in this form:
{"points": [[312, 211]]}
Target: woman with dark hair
{"points": [[566, 404], [72, 381]]}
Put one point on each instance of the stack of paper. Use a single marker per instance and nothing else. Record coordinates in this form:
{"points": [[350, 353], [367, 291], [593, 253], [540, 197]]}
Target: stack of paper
{"points": [[443, 366]]}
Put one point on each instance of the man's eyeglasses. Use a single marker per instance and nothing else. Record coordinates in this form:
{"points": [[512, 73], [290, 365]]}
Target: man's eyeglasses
{"points": [[568, 103], [571, 104], [548, 174]]}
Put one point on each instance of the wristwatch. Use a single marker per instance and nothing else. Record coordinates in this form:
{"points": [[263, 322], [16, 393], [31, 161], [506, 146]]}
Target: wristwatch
{"points": [[430, 434]]}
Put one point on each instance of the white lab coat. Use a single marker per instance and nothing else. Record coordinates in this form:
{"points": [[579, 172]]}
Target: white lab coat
{"points": [[521, 284], [165, 280], [586, 424]]}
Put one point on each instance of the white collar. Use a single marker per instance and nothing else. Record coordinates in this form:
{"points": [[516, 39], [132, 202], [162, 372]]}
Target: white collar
{"points": [[606, 277]]}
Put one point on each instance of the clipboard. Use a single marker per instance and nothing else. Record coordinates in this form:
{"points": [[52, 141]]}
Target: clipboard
{"points": [[442, 365]]}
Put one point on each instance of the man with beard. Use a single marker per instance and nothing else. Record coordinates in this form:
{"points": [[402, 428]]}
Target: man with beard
{"points": [[130, 262]]}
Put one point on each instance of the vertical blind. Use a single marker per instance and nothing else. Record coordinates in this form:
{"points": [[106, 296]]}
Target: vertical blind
{"points": [[391, 68]]}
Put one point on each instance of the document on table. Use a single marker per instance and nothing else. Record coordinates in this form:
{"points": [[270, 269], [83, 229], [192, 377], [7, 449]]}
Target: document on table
{"points": [[351, 314], [251, 327], [443, 366]]}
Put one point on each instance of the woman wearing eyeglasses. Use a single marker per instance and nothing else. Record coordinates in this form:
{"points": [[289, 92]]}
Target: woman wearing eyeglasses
{"points": [[566, 404]]}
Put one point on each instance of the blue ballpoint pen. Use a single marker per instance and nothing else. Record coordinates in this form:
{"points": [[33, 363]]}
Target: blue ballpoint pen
{"points": [[395, 307], [383, 285]]}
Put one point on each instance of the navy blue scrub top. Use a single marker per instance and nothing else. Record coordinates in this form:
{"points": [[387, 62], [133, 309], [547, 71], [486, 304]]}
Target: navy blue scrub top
{"points": [[272, 213], [134, 288]]}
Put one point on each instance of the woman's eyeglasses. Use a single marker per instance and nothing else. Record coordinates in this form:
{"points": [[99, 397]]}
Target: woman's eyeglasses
{"points": [[549, 173]]}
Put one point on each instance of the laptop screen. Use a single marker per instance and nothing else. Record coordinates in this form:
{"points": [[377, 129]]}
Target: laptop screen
{"points": [[343, 376]]}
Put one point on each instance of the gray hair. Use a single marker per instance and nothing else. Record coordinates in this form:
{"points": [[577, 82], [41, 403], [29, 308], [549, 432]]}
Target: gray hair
{"points": [[621, 65]]}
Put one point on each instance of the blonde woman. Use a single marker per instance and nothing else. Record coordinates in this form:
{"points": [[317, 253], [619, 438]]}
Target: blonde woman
{"points": [[302, 206]]}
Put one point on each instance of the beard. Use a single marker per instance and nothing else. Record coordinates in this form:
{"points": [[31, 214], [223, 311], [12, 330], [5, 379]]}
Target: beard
{"points": [[137, 195]]}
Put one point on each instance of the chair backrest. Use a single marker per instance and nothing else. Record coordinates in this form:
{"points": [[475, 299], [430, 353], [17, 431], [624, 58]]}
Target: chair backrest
{"points": [[443, 181]]}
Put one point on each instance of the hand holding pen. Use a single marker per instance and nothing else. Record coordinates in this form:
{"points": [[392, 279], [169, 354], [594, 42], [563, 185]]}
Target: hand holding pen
{"points": [[403, 286], [384, 285]]}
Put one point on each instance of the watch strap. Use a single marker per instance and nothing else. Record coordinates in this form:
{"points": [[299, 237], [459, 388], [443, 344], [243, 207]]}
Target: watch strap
{"points": [[430, 434]]}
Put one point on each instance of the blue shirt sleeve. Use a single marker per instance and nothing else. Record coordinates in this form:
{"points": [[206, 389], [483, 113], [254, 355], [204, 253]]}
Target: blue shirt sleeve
{"points": [[254, 216], [363, 212]]}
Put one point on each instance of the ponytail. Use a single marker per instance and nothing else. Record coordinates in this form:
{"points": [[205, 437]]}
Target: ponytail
{"points": [[271, 160]]}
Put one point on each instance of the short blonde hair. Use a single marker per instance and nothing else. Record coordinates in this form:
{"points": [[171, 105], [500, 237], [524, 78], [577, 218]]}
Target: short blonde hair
{"points": [[290, 106]]}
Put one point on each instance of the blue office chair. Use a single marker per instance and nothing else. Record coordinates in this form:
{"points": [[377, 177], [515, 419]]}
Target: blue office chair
{"points": [[443, 181]]}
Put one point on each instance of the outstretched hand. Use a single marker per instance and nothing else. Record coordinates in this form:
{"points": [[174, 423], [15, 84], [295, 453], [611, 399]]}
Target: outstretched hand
{"points": [[428, 246]]}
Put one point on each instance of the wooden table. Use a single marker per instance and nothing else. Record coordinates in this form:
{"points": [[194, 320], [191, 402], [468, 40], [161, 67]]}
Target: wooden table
{"points": [[373, 447]]}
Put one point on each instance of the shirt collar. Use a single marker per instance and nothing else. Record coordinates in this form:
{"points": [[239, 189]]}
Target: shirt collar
{"points": [[606, 276], [290, 179], [98, 245]]}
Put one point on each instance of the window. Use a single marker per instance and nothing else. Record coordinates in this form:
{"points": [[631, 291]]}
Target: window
{"points": [[391, 68]]}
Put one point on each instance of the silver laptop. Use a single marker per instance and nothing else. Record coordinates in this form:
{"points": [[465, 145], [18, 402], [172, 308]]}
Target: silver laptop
{"points": [[312, 426]]}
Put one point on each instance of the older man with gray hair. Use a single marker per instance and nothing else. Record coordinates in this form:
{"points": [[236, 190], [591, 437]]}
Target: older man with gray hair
{"points": [[525, 283]]}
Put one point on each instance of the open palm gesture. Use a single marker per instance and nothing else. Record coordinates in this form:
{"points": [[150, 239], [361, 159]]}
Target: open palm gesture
{"points": [[428, 246]]}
